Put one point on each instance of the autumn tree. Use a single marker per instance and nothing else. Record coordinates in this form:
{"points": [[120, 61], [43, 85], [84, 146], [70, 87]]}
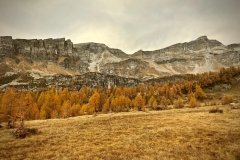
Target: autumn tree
{"points": [[9, 100], [179, 103], [192, 100], [152, 103], [199, 94], [139, 103], [66, 109], [40, 100], [84, 109], [164, 102], [120, 103], [75, 109], [44, 112], [64, 94], [94, 103], [28, 106], [74, 97], [48, 105], [106, 106], [172, 93]]}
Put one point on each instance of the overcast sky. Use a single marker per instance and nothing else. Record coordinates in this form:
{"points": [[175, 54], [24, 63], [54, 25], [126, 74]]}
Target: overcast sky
{"points": [[129, 25]]}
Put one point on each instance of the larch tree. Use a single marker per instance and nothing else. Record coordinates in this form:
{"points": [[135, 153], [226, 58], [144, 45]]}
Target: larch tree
{"points": [[139, 103], [192, 101], [75, 109], [152, 103], [94, 103], [66, 109], [199, 92], [84, 109], [179, 103], [29, 107], [121, 103], [106, 106], [9, 101], [164, 101]]}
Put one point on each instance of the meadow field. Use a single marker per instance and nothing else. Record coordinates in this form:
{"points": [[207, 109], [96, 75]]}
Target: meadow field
{"points": [[189, 133]]}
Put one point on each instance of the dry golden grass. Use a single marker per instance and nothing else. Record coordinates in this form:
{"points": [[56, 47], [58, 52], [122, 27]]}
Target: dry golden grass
{"points": [[171, 134]]}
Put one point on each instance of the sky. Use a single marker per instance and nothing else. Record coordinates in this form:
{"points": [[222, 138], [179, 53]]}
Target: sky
{"points": [[129, 25]]}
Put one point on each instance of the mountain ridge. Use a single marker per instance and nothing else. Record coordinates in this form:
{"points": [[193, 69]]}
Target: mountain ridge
{"points": [[61, 56]]}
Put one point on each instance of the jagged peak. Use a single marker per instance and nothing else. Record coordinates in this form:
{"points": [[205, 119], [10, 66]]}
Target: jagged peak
{"points": [[202, 38], [138, 52]]}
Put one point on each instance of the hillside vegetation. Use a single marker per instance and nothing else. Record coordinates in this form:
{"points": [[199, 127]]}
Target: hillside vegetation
{"points": [[63, 103]]}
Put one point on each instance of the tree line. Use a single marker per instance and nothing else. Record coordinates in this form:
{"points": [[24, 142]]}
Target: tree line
{"points": [[63, 103]]}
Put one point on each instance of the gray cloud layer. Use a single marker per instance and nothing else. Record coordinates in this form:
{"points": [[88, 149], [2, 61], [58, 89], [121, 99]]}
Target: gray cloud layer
{"points": [[126, 24]]}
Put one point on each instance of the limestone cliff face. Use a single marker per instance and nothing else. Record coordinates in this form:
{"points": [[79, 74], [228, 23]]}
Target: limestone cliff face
{"points": [[43, 49], [6, 45]]}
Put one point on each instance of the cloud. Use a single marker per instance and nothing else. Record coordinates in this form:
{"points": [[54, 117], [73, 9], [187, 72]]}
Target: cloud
{"points": [[127, 24]]}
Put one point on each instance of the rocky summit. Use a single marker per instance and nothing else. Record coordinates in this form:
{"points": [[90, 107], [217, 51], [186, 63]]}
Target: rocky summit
{"points": [[49, 57]]}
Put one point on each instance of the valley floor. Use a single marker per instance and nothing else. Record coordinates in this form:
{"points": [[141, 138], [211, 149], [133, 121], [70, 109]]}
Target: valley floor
{"points": [[170, 134]]}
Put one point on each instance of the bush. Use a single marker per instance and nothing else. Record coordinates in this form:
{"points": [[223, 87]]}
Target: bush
{"points": [[22, 132], [11, 124], [179, 103], [215, 110], [160, 107], [227, 99]]}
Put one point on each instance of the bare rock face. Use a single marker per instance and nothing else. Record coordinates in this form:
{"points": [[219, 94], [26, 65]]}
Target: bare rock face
{"points": [[35, 48], [6, 45], [131, 68]]}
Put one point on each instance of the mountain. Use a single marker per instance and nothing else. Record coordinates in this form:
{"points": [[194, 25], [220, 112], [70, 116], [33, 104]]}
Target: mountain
{"points": [[48, 57], [197, 56]]}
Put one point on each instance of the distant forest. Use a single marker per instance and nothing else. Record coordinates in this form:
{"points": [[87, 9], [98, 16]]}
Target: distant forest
{"points": [[63, 103]]}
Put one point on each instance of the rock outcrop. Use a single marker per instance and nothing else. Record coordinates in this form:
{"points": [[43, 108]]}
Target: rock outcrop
{"points": [[29, 81], [42, 49], [6, 45]]}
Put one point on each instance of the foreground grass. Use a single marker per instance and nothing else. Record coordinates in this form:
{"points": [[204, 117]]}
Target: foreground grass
{"points": [[170, 134]]}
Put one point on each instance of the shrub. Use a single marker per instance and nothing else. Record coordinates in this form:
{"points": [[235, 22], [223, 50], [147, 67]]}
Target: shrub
{"points": [[22, 132], [179, 103], [226, 99], [11, 124], [215, 110]]}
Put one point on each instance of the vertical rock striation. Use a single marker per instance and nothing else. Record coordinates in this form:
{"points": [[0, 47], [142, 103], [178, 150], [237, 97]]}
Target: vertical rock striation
{"points": [[36, 48]]}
